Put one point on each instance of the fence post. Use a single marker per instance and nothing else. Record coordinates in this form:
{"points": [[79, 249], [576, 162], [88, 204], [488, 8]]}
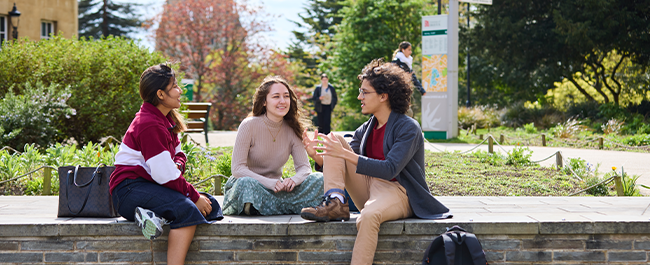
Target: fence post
{"points": [[217, 185], [47, 181], [502, 139], [558, 160], [490, 144], [480, 136], [600, 142], [619, 186], [474, 129], [543, 139]]}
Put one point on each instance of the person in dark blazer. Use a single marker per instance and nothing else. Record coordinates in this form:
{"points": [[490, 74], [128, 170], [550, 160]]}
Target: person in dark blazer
{"points": [[324, 102], [382, 168]]}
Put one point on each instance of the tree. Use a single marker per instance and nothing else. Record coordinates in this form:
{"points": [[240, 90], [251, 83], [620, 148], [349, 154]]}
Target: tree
{"points": [[215, 42], [101, 18], [527, 46], [317, 27], [369, 30]]}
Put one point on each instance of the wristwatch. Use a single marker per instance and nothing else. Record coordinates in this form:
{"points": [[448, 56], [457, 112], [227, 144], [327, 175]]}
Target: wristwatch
{"points": [[180, 166]]}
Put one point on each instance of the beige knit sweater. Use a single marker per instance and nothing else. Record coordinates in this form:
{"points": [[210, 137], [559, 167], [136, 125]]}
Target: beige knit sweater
{"points": [[256, 155]]}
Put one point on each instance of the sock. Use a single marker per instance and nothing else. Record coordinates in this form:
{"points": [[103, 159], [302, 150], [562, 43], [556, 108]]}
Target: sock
{"points": [[338, 196]]}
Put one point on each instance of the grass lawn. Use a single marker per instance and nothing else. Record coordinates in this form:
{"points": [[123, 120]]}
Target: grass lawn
{"points": [[584, 139], [450, 174]]}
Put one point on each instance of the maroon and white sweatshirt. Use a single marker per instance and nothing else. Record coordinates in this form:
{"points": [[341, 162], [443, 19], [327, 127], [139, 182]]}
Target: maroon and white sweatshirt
{"points": [[150, 150]]}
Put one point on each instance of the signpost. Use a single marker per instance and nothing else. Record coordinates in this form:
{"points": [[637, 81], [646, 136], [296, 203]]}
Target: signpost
{"points": [[440, 72]]}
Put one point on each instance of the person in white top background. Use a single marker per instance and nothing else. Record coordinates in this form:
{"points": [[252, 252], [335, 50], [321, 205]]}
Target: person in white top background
{"points": [[402, 57]]}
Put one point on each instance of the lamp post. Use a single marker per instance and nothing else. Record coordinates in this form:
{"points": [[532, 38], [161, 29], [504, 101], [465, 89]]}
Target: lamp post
{"points": [[14, 15]]}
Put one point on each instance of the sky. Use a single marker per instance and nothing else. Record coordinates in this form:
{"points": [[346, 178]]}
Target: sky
{"points": [[283, 10]]}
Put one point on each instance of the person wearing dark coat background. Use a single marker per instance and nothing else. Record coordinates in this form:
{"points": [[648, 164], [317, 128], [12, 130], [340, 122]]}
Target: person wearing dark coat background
{"points": [[324, 102]]}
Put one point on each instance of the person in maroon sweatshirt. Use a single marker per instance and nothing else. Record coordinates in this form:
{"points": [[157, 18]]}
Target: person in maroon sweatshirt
{"points": [[147, 185]]}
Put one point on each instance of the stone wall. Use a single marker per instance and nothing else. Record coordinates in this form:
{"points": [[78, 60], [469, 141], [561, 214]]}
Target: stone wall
{"points": [[401, 242]]}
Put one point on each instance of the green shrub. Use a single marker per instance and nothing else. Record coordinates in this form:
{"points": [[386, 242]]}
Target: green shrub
{"points": [[224, 163], [495, 159], [635, 124], [610, 111], [519, 114], [33, 117], [519, 156], [582, 110], [530, 128], [103, 76], [598, 190], [482, 116], [637, 140]]}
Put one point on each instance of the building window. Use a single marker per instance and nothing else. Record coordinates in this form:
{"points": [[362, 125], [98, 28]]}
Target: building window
{"points": [[3, 29], [47, 27]]}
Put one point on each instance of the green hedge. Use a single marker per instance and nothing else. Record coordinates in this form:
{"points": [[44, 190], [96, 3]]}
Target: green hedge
{"points": [[102, 75]]}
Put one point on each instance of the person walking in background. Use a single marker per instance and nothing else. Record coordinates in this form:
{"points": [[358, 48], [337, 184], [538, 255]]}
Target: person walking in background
{"points": [[265, 139], [402, 58], [324, 103]]}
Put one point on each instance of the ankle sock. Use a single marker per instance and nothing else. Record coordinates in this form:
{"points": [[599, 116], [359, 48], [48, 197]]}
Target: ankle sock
{"points": [[338, 196]]}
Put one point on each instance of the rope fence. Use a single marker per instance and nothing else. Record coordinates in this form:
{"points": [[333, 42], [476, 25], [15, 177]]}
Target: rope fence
{"points": [[561, 162]]}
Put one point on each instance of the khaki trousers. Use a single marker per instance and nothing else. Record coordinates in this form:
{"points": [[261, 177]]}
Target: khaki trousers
{"points": [[379, 201]]}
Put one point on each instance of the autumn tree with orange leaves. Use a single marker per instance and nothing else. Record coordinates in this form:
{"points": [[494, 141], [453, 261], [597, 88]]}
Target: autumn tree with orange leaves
{"points": [[216, 43]]}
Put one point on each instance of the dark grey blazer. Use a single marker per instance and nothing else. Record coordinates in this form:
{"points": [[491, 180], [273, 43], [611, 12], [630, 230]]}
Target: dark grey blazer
{"points": [[404, 153]]}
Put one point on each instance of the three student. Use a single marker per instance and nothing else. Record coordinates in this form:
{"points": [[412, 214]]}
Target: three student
{"points": [[382, 168]]}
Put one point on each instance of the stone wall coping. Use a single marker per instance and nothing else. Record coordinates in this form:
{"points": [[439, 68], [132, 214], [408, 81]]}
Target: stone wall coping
{"points": [[27, 216]]}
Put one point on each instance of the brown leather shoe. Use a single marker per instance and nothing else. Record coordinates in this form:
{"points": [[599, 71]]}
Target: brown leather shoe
{"points": [[330, 209]]}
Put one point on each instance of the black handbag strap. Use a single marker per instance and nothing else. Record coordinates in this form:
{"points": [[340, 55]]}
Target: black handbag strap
{"points": [[68, 185]]}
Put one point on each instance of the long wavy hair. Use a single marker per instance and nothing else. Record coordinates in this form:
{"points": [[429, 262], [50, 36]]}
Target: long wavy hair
{"points": [[156, 78], [294, 118]]}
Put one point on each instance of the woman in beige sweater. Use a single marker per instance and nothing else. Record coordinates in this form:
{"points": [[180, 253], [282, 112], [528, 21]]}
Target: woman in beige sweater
{"points": [[265, 139]]}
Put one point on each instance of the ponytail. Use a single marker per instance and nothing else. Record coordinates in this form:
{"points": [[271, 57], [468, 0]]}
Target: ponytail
{"points": [[402, 46], [177, 118], [395, 53]]}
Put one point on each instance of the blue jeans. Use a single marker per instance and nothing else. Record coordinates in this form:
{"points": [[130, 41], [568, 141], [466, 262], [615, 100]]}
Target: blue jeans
{"points": [[165, 202]]}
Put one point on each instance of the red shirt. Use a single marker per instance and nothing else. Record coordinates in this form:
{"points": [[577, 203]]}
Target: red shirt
{"points": [[375, 144]]}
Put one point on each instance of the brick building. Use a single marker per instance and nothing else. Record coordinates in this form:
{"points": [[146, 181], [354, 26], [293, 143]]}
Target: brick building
{"points": [[39, 18]]}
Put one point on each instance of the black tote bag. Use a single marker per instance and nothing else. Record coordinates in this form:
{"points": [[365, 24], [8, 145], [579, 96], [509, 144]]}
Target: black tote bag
{"points": [[84, 192]]}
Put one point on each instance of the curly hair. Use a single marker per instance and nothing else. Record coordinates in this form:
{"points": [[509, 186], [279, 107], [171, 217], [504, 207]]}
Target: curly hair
{"points": [[388, 78], [294, 118]]}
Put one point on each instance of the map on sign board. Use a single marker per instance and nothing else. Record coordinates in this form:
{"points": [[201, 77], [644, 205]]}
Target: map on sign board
{"points": [[484, 2], [434, 72]]}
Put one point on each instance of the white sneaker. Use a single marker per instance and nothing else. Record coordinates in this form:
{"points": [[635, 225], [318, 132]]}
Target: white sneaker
{"points": [[150, 223]]}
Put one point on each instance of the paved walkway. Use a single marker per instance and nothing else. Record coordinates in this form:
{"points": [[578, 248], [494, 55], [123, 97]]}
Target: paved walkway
{"points": [[28, 210], [633, 163]]}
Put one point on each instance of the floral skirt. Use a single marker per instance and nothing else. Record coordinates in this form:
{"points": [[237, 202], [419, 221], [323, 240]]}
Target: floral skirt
{"points": [[239, 191]]}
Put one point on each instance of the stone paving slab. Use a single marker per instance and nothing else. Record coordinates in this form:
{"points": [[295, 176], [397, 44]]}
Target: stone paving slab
{"points": [[33, 210]]}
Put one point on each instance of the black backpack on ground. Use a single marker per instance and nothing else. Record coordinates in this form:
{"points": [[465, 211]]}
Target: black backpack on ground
{"points": [[455, 247]]}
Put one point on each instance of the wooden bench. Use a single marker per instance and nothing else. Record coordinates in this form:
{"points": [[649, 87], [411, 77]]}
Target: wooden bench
{"points": [[198, 114]]}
